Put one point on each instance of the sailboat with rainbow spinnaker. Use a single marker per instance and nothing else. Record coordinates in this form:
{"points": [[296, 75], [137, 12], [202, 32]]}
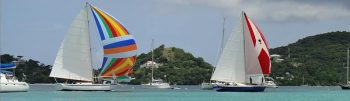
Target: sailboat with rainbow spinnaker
{"points": [[74, 60]]}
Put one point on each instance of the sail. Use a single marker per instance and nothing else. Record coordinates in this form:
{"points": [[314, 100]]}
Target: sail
{"points": [[73, 60], [245, 56], [257, 58], [230, 66], [119, 46], [257, 52]]}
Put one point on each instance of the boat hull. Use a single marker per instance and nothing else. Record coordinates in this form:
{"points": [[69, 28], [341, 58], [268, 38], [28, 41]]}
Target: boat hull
{"points": [[271, 84], [240, 88], [157, 85], [13, 87], [207, 86], [161, 86], [344, 87], [83, 87]]}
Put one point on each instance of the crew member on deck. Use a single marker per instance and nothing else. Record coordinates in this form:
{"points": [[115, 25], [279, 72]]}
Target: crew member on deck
{"points": [[250, 79]]}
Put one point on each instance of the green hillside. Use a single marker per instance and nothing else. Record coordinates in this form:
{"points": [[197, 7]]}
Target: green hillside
{"points": [[320, 59], [177, 67]]}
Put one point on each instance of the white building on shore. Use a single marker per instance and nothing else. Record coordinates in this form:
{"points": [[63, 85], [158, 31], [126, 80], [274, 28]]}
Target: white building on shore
{"points": [[150, 64], [276, 58]]}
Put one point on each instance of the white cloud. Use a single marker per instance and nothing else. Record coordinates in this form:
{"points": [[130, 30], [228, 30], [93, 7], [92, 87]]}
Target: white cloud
{"points": [[274, 10]]}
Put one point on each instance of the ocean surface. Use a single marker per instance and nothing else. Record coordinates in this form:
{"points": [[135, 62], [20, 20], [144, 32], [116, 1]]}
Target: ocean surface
{"points": [[46, 92]]}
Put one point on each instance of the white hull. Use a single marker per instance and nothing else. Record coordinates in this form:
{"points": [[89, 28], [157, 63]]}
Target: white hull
{"points": [[13, 87], [271, 84], [83, 87], [157, 85], [8, 84], [211, 85], [207, 86]]}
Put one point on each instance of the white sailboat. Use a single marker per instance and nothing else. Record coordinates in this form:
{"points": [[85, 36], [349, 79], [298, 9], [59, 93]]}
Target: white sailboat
{"points": [[155, 83], [74, 62], [346, 86], [303, 83], [270, 82], [244, 60], [8, 81]]}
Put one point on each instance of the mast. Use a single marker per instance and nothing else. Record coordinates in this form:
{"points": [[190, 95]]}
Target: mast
{"points": [[347, 68], [0, 38], [303, 80], [88, 30], [244, 50], [288, 53], [152, 66]]}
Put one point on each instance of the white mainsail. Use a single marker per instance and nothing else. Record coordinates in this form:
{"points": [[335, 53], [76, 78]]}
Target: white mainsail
{"points": [[244, 56], [73, 60], [230, 66]]}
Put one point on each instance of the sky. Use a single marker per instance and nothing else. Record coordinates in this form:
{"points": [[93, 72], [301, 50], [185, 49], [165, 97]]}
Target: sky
{"points": [[35, 28]]}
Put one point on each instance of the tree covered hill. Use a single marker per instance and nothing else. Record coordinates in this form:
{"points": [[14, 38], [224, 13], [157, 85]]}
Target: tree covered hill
{"points": [[319, 59], [177, 67]]}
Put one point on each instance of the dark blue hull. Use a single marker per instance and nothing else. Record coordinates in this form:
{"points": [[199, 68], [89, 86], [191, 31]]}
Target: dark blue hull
{"points": [[241, 89]]}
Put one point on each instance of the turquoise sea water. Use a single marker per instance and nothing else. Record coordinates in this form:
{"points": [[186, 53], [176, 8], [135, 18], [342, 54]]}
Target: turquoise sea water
{"points": [[186, 93]]}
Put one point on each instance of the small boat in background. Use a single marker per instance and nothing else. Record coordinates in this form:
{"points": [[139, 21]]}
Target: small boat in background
{"points": [[207, 86], [270, 82], [8, 81], [347, 85], [155, 83], [303, 83], [175, 88], [211, 85]]}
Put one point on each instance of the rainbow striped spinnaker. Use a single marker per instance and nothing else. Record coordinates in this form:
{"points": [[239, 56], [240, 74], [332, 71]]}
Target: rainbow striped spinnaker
{"points": [[119, 46]]}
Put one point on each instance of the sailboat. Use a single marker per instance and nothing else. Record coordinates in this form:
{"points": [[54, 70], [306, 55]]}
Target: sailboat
{"points": [[347, 85], [8, 81], [303, 82], [155, 83], [270, 82], [74, 60], [244, 60]]}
